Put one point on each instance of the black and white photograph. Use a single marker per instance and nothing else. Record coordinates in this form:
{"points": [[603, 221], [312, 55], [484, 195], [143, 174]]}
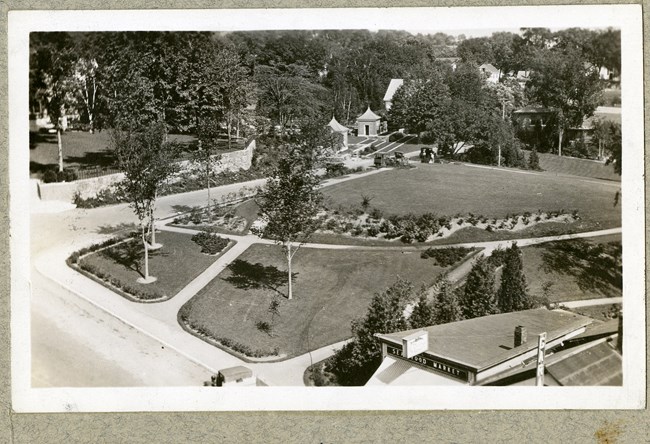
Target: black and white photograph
{"points": [[402, 208]]}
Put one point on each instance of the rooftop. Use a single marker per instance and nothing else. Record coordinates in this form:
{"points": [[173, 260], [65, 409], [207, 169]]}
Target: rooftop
{"points": [[336, 126], [392, 87], [489, 68], [486, 341], [368, 116]]}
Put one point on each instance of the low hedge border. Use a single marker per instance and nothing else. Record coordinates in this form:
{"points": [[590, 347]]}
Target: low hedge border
{"points": [[241, 351]]}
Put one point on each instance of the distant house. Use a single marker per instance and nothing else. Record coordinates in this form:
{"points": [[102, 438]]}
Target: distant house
{"points": [[491, 73], [368, 124], [451, 61], [531, 115], [473, 351], [390, 92]]}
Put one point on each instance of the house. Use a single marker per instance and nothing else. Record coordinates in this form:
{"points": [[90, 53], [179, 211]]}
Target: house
{"points": [[451, 61], [529, 116], [390, 92], [492, 74], [472, 351], [368, 124]]}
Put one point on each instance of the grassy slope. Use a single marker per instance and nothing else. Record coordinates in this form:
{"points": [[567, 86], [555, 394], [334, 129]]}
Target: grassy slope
{"points": [[332, 288], [450, 189], [568, 284], [577, 167], [175, 265]]}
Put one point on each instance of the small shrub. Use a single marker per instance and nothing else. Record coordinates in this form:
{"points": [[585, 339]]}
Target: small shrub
{"points": [[445, 257], [209, 242], [264, 327], [376, 213], [357, 231], [373, 230]]}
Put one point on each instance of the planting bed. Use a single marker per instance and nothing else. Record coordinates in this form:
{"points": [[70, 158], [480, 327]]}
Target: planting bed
{"points": [[175, 265]]}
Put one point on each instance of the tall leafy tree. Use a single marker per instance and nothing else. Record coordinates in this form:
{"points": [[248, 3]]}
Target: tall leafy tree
{"points": [[52, 64], [513, 293], [147, 160], [446, 306], [289, 204], [479, 293], [355, 363], [205, 156], [563, 81], [423, 314]]}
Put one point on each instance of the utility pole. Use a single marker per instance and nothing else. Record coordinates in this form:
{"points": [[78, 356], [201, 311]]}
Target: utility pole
{"points": [[541, 349]]}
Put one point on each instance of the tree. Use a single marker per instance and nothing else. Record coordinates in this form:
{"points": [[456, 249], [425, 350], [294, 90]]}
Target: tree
{"points": [[52, 61], [479, 293], [533, 160], [564, 82], [207, 135], [606, 137], [147, 160], [513, 293], [423, 314], [446, 306], [289, 203], [355, 363]]}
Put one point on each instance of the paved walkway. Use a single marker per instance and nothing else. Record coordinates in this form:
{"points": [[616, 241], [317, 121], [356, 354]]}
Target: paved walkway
{"points": [[159, 320]]}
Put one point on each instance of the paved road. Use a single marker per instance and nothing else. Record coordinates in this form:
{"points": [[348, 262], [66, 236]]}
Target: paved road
{"points": [[148, 326]]}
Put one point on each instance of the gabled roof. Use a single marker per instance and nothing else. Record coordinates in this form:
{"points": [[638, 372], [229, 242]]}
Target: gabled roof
{"points": [[489, 68], [482, 342], [392, 87], [336, 126], [368, 116]]}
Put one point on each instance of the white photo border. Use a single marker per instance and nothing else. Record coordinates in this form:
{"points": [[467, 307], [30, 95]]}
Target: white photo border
{"points": [[632, 394]]}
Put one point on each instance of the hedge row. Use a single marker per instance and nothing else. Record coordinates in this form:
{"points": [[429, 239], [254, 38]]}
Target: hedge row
{"points": [[115, 282], [225, 342], [445, 257], [209, 242]]}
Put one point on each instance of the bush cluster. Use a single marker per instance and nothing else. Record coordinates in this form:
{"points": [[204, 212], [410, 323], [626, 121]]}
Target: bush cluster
{"points": [[106, 196], [410, 228], [54, 175], [209, 242], [445, 257]]}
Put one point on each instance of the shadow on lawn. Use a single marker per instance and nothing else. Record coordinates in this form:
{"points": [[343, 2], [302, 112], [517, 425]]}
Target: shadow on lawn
{"points": [[93, 159], [247, 276], [38, 138], [118, 228], [128, 254], [594, 266]]}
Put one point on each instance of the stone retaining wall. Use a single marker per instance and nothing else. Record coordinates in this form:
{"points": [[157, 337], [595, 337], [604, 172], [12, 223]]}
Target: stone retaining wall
{"points": [[65, 191]]}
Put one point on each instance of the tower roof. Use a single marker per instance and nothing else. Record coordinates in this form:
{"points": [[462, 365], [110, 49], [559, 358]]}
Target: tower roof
{"points": [[336, 126], [368, 116]]}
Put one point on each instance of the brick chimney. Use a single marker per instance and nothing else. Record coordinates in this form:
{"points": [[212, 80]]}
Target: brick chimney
{"points": [[521, 335]]}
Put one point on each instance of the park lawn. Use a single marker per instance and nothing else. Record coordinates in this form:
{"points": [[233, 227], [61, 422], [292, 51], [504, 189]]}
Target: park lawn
{"points": [[450, 189], [574, 275], [331, 288], [175, 265]]}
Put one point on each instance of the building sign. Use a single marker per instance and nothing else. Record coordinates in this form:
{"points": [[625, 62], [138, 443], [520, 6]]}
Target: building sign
{"points": [[427, 362], [541, 349]]}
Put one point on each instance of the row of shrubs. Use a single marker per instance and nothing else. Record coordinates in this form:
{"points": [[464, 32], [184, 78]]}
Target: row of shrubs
{"points": [[74, 260], [339, 169], [54, 175], [136, 293], [209, 242], [445, 257], [225, 342], [107, 196]]}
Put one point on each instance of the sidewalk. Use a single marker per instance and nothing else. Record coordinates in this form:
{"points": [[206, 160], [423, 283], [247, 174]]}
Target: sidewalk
{"points": [[590, 302]]}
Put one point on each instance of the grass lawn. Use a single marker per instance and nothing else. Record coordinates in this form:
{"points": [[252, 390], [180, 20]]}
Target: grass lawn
{"points": [[599, 312], [84, 150], [331, 288], [450, 189], [175, 265], [574, 271], [552, 163]]}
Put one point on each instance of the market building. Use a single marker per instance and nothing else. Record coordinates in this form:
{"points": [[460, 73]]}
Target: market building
{"points": [[473, 351]]}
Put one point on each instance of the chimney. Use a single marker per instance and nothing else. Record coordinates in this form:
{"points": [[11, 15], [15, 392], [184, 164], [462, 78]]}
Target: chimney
{"points": [[619, 342], [521, 335]]}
